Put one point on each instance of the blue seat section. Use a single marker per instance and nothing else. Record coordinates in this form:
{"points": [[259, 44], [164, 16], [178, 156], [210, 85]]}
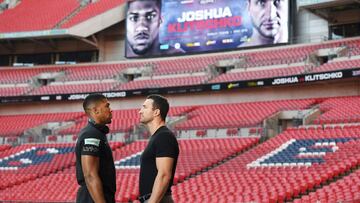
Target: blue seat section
{"points": [[292, 153], [129, 162], [34, 156]]}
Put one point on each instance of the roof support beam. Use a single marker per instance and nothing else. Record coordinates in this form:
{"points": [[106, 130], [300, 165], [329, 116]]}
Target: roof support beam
{"points": [[49, 43], [92, 41]]}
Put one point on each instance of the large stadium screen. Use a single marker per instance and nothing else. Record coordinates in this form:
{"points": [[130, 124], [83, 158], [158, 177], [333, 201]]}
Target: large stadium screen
{"points": [[173, 27]]}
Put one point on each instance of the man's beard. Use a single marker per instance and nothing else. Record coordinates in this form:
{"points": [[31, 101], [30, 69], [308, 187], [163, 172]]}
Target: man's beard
{"points": [[142, 51], [147, 48], [272, 34]]}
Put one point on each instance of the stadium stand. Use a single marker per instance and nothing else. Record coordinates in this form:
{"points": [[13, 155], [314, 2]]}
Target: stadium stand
{"points": [[186, 65], [228, 116], [198, 117], [339, 110], [251, 75], [72, 73], [238, 115], [15, 125], [355, 50], [92, 72], [287, 55], [22, 75], [338, 65], [277, 179], [33, 15], [345, 190], [91, 10], [281, 55], [31, 161], [169, 73], [61, 187], [276, 171], [166, 82], [256, 156], [334, 110], [74, 88], [196, 155], [4, 147], [13, 91]]}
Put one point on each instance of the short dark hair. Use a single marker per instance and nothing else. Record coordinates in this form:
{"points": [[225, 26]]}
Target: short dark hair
{"points": [[161, 103], [158, 3], [92, 99]]}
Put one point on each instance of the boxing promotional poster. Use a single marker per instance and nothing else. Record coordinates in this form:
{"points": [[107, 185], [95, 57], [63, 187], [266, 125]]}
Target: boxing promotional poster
{"points": [[193, 26]]}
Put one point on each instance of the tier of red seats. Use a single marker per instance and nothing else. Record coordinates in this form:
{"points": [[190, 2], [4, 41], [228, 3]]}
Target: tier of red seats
{"points": [[195, 156], [171, 66], [338, 65], [107, 86], [93, 72], [339, 110], [4, 147], [183, 65], [12, 177], [282, 55], [14, 76], [91, 10], [74, 88], [235, 182], [286, 55], [58, 187], [199, 63], [346, 189], [252, 74], [166, 82], [355, 51], [354, 48], [276, 184], [72, 73], [335, 110], [15, 125], [13, 91], [33, 15], [238, 114]]}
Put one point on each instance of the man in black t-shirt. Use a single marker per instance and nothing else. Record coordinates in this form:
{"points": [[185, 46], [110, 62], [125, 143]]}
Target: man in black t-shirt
{"points": [[95, 170], [159, 159]]}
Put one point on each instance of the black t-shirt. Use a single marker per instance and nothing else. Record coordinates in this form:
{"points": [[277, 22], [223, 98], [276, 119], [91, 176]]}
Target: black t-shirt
{"points": [[92, 141], [162, 143]]}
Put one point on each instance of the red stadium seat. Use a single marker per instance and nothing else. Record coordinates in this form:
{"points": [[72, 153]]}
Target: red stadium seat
{"points": [[234, 180], [61, 185], [92, 10], [32, 15]]}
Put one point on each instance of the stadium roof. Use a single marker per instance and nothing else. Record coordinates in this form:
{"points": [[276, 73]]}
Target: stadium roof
{"points": [[330, 9], [82, 22]]}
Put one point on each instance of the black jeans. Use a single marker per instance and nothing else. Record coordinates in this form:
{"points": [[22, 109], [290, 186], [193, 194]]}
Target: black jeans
{"points": [[83, 196]]}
